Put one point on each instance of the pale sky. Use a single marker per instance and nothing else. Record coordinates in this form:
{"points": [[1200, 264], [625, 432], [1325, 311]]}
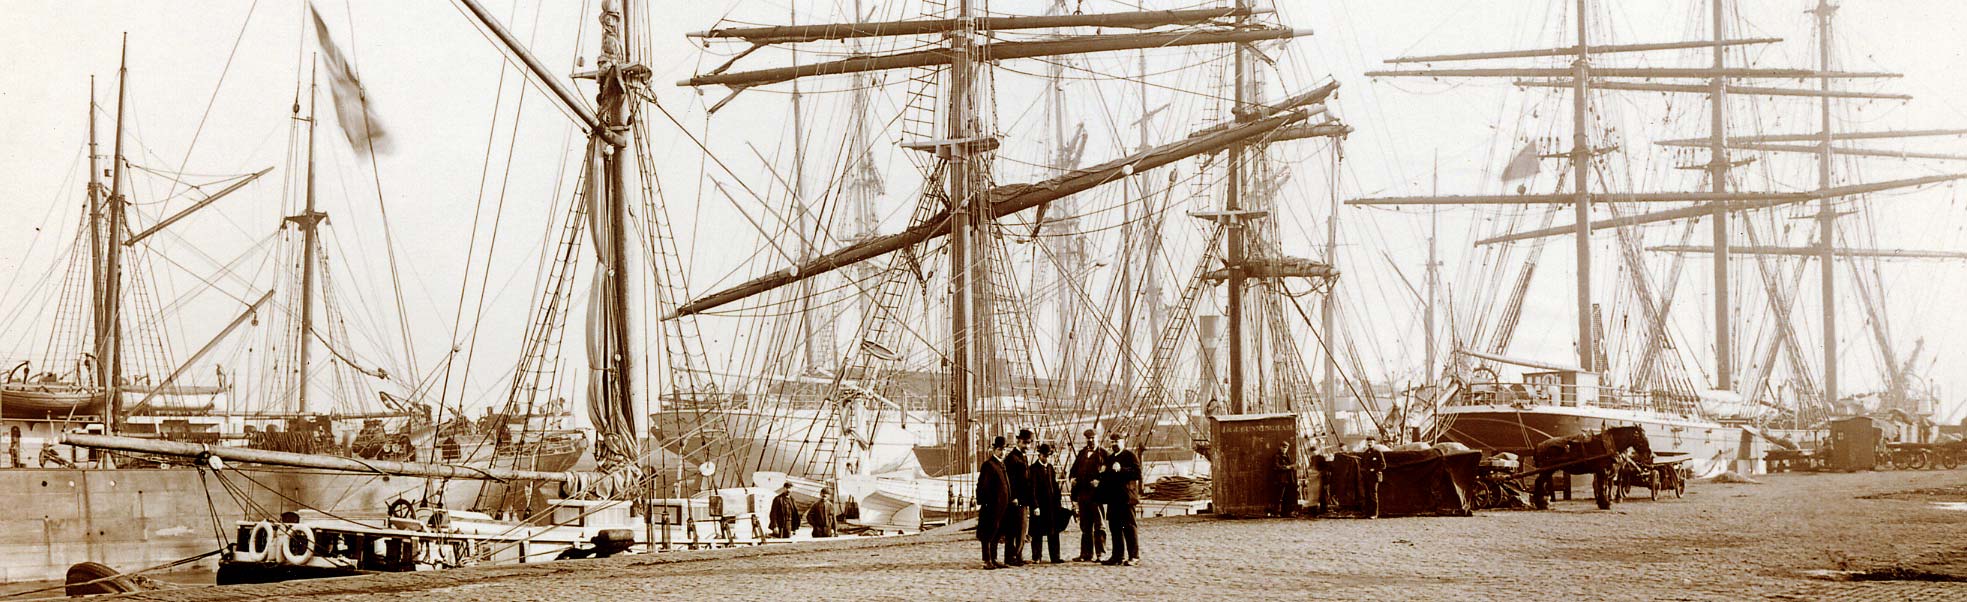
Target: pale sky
{"points": [[433, 78]]}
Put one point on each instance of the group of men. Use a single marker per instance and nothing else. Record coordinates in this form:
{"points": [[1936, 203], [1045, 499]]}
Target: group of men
{"points": [[1018, 496], [823, 515]]}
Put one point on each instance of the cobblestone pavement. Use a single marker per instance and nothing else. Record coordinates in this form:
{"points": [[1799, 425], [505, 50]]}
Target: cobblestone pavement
{"points": [[1721, 542]]}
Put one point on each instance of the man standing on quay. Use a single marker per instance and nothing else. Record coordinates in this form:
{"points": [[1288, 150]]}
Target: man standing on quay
{"points": [[1045, 510], [993, 502], [1085, 473], [1120, 489], [1018, 465]]}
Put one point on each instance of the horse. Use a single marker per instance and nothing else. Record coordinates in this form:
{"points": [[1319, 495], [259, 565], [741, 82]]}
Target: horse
{"points": [[1596, 454]]}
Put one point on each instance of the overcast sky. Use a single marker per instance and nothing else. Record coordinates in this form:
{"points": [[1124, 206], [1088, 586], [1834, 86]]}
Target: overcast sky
{"points": [[435, 81]]}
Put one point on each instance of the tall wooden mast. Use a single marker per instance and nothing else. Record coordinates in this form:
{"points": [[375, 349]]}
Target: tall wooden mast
{"points": [[109, 334], [99, 319], [618, 369], [1724, 370], [1717, 202], [964, 269], [970, 204], [1580, 179], [308, 221], [1233, 238], [1826, 214]]}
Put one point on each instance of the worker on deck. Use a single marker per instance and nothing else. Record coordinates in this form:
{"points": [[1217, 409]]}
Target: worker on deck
{"points": [[785, 513], [823, 515]]}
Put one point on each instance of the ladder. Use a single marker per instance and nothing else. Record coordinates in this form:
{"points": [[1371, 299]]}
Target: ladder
{"points": [[1139, 421], [868, 361]]}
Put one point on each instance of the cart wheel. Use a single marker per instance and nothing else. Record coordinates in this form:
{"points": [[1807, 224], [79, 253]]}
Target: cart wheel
{"points": [[1679, 486], [1916, 461], [1950, 461]]}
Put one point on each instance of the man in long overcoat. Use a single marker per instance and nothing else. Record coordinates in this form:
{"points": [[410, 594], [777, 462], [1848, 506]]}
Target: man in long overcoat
{"points": [[993, 501], [1045, 523]]}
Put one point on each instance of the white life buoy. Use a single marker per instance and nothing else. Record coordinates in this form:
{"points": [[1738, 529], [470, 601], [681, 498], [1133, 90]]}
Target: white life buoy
{"points": [[301, 536], [253, 547]]}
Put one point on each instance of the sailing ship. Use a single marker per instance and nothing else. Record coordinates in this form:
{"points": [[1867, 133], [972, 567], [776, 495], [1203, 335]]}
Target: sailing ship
{"points": [[1712, 426], [282, 415], [960, 235]]}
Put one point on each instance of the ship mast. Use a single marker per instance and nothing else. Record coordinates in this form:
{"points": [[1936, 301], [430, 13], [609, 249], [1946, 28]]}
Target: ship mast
{"points": [[1716, 203], [971, 205], [98, 317], [964, 296], [109, 328], [1826, 214], [1724, 371], [1241, 96], [1581, 172], [308, 221], [618, 367]]}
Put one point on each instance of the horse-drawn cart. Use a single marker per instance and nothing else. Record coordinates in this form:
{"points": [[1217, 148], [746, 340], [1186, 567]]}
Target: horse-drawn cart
{"points": [[1598, 454]]}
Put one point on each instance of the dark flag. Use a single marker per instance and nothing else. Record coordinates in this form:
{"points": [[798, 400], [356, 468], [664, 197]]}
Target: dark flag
{"points": [[364, 131]]}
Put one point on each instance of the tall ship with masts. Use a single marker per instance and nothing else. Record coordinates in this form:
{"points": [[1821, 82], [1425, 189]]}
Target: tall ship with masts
{"points": [[1639, 376], [947, 307], [289, 376]]}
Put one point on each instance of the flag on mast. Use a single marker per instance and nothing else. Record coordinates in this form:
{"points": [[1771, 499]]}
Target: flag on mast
{"points": [[1525, 164], [364, 131]]}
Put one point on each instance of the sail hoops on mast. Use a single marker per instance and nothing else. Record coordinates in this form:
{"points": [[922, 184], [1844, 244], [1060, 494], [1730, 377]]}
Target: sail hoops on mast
{"points": [[1012, 198]]}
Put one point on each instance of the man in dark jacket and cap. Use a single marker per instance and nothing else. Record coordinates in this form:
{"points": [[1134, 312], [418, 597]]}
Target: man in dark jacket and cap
{"points": [[823, 516], [785, 513], [993, 501], [1046, 514]]}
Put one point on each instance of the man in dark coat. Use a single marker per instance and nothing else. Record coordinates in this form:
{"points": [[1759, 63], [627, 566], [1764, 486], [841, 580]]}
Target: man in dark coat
{"points": [[823, 516], [1017, 464], [1045, 511], [785, 513], [993, 500], [1120, 491], [1085, 473], [1284, 476]]}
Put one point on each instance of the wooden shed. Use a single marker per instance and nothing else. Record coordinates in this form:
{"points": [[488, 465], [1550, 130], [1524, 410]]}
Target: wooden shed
{"points": [[1853, 443], [1243, 448]]}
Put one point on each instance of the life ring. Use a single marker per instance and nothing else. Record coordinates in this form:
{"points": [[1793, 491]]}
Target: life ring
{"points": [[301, 536], [253, 547]]}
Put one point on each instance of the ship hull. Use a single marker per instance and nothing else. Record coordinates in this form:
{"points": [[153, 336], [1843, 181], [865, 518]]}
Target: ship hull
{"points": [[138, 517], [790, 441], [1709, 446]]}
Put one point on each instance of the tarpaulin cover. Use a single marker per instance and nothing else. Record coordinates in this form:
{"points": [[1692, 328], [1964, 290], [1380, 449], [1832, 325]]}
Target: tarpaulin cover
{"points": [[1414, 483]]}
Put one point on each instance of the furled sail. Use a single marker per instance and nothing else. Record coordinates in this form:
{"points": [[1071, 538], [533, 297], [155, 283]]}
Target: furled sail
{"points": [[609, 392]]}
